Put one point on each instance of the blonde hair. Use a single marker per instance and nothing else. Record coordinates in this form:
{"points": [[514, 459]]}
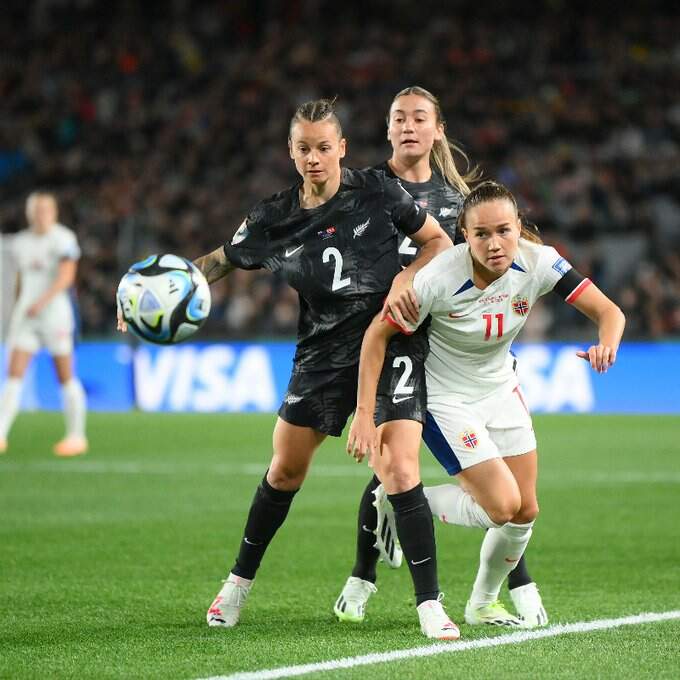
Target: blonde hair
{"points": [[443, 149], [493, 191], [314, 112]]}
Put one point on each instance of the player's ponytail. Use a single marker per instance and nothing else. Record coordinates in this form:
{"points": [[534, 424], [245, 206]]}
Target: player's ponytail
{"points": [[314, 112], [493, 191], [443, 150]]}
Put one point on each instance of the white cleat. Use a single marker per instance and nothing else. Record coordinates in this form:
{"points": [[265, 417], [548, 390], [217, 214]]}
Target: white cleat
{"points": [[351, 605], [226, 607], [494, 614], [529, 606], [386, 540], [435, 622]]}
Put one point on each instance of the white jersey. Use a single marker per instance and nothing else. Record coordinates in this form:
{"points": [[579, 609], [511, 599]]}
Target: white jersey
{"points": [[472, 329], [37, 257]]}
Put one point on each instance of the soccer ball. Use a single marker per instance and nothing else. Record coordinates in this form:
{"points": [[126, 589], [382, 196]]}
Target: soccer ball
{"points": [[164, 299]]}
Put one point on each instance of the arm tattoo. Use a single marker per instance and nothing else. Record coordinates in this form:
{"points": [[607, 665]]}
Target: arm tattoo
{"points": [[214, 265]]}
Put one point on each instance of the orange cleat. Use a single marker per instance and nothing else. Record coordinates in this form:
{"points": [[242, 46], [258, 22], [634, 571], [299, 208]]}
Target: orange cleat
{"points": [[71, 446]]}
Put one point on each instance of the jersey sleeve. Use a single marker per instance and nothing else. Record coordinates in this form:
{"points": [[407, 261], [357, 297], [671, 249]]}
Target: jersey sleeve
{"points": [[67, 246], [14, 249], [555, 273], [249, 246], [425, 297], [406, 214]]}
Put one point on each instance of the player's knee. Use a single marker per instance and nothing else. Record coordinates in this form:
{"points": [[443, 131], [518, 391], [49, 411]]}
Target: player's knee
{"points": [[503, 510], [527, 513], [399, 478], [286, 477]]}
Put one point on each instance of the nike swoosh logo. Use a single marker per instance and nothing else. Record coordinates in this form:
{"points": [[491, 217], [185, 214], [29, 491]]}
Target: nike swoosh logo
{"points": [[250, 542], [292, 251], [396, 400], [415, 564], [511, 560], [366, 529], [455, 316]]}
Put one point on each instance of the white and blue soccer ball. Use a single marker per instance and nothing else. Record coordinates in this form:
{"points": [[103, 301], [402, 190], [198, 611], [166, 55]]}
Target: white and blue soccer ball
{"points": [[164, 299]]}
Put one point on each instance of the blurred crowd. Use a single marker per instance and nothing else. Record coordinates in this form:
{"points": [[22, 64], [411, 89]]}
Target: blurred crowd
{"points": [[160, 124]]}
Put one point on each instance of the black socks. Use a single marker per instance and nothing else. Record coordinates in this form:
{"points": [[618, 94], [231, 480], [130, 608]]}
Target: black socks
{"points": [[367, 555], [267, 513], [519, 576], [416, 535]]}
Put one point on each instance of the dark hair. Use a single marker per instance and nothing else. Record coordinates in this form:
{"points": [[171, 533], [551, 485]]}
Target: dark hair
{"points": [[443, 149], [314, 112], [493, 191]]}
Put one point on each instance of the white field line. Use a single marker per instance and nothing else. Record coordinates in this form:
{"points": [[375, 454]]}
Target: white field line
{"points": [[348, 469], [450, 648]]}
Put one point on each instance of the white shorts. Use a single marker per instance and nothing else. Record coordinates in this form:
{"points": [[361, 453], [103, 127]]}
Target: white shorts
{"points": [[461, 434], [52, 331]]}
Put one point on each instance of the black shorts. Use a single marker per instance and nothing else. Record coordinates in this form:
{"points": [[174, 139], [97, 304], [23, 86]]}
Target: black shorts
{"points": [[324, 400]]}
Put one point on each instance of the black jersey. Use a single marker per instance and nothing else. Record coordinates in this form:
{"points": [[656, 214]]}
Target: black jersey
{"points": [[439, 198], [340, 257]]}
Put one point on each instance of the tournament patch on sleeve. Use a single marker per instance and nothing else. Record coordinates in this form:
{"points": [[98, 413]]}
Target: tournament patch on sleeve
{"points": [[561, 266], [241, 234]]}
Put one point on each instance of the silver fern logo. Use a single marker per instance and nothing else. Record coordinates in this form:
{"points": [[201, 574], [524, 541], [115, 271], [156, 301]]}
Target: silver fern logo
{"points": [[361, 228]]}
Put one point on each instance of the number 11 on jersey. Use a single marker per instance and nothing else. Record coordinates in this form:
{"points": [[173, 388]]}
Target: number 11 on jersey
{"points": [[489, 321]]}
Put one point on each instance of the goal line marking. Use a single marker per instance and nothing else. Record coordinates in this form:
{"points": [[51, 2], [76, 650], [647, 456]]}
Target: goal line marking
{"points": [[450, 648]]}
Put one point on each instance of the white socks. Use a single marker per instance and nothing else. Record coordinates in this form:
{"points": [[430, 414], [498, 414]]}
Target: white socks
{"points": [[454, 506], [501, 550], [73, 397], [9, 404]]}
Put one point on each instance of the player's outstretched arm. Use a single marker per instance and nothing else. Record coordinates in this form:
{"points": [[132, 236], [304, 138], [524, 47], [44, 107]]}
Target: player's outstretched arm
{"points": [[401, 302], [214, 265], [610, 323], [363, 438]]}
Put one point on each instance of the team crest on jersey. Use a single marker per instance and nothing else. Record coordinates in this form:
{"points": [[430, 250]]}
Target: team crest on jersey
{"points": [[469, 439], [326, 233], [241, 234], [520, 305], [361, 228]]}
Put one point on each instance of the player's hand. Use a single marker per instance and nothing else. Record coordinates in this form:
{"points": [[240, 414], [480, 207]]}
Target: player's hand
{"points": [[35, 309], [600, 357], [401, 302], [362, 440], [120, 323]]}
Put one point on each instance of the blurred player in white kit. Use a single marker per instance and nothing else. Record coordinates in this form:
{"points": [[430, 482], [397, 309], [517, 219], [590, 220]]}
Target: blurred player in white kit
{"points": [[46, 256]]}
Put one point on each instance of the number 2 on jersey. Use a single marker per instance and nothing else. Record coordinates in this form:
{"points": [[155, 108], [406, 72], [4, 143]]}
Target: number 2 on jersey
{"points": [[338, 281], [489, 321]]}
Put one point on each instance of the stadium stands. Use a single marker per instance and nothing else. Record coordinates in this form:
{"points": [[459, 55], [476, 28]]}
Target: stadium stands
{"points": [[159, 124]]}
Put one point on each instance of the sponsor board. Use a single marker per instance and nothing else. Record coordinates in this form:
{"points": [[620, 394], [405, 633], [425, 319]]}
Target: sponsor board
{"points": [[241, 377]]}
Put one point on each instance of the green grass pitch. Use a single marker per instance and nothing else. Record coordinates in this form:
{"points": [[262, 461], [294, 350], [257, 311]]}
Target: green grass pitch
{"points": [[109, 562]]}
